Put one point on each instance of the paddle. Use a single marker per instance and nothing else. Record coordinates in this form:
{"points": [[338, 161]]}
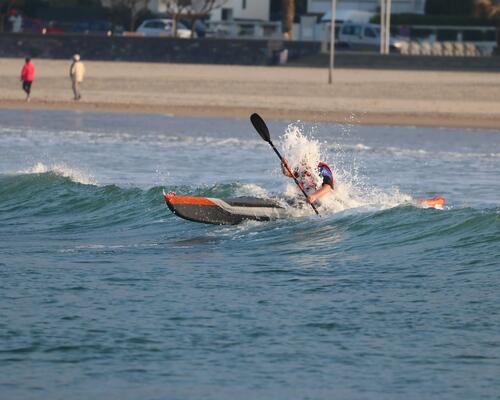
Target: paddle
{"points": [[261, 127]]}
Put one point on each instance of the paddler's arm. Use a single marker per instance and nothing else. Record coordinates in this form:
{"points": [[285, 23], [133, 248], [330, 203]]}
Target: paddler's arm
{"points": [[325, 189]]}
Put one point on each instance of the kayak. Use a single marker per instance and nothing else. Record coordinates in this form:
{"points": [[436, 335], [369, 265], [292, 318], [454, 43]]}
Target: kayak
{"points": [[435, 202], [229, 211], [232, 211]]}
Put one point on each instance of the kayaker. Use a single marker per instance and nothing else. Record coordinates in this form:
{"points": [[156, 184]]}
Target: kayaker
{"points": [[309, 182]]}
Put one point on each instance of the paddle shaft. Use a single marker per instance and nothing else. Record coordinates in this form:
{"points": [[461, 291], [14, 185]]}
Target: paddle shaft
{"points": [[292, 175]]}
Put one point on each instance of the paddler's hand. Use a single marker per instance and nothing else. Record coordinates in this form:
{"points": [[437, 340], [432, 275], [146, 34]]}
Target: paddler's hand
{"points": [[284, 166], [171, 194], [311, 199]]}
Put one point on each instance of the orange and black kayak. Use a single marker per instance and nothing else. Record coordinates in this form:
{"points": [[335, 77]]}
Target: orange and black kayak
{"points": [[232, 211], [229, 211]]}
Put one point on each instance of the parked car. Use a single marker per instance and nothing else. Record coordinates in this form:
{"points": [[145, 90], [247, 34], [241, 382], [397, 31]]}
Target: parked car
{"points": [[32, 25], [163, 27], [200, 28], [92, 27], [364, 37]]}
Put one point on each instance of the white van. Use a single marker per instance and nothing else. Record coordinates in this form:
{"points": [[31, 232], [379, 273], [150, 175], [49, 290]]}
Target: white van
{"points": [[363, 37]]}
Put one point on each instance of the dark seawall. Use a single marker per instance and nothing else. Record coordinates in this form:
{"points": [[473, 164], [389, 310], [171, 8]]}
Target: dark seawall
{"points": [[221, 51]]}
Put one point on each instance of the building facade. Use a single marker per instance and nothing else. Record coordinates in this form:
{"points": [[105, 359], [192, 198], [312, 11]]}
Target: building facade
{"points": [[232, 9], [398, 6], [242, 10]]}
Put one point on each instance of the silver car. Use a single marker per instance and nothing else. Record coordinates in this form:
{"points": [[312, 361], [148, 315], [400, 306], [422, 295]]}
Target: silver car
{"points": [[163, 27]]}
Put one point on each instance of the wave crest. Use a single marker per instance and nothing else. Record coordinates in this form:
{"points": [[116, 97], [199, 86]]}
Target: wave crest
{"points": [[62, 169]]}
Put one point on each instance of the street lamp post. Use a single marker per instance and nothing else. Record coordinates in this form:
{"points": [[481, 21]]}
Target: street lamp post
{"points": [[332, 41], [387, 26], [382, 26]]}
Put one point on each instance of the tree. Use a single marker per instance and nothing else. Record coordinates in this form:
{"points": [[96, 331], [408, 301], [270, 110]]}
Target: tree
{"points": [[449, 7], [288, 14], [486, 8], [134, 8], [191, 9], [489, 9]]}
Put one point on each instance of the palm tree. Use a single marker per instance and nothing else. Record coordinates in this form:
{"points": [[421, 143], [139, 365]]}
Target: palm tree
{"points": [[490, 9], [288, 11], [487, 8]]}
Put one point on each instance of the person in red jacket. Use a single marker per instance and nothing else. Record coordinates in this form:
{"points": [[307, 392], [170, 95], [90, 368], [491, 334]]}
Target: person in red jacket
{"points": [[27, 77]]}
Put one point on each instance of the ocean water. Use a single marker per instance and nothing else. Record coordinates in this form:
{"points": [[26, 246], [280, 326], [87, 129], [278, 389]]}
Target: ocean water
{"points": [[105, 294]]}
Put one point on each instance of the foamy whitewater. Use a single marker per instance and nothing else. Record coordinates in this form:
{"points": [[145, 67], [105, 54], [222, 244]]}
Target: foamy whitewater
{"points": [[106, 294], [351, 189]]}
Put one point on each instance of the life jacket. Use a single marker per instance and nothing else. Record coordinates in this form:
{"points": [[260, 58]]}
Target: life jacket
{"points": [[325, 171]]}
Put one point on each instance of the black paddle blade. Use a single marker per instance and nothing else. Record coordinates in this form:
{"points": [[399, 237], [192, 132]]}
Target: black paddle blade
{"points": [[260, 126]]}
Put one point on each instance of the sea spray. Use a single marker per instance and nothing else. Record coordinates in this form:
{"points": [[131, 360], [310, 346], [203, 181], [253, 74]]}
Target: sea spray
{"points": [[352, 189], [251, 190], [302, 152]]}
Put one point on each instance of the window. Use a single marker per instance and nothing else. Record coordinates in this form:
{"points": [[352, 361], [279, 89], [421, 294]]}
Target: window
{"points": [[243, 4], [226, 14], [347, 30], [369, 32], [354, 30]]}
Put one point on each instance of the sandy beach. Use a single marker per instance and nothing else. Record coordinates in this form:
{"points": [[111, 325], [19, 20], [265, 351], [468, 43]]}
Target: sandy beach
{"points": [[420, 98]]}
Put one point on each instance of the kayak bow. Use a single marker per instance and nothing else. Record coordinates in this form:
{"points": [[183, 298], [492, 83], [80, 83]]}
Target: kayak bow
{"points": [[224, 211]]}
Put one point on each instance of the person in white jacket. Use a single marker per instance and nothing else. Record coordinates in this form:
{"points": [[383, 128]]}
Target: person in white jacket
{"points": [[77, 73]]}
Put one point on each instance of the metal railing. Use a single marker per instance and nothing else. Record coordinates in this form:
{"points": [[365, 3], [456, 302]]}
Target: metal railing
{"points": [[243, 29]]}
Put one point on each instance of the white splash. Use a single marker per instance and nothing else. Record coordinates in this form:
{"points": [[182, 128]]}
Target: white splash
{"points": [[251, 190], [76, 175], [299, 148], [352, 190], [301, 152]]}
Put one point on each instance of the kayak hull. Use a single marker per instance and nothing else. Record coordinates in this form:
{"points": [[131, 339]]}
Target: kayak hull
{"points": [[233, 211], [224, 211]]}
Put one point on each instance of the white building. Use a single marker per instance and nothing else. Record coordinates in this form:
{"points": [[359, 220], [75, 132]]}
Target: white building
{"points": [[154, 5], [242, 9], [398, 6], [232, 9], [157, 6]]}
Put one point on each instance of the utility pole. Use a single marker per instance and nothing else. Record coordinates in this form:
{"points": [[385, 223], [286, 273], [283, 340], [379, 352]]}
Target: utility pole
{"points": [[332, 41], [388, 26], [382, 26]]}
